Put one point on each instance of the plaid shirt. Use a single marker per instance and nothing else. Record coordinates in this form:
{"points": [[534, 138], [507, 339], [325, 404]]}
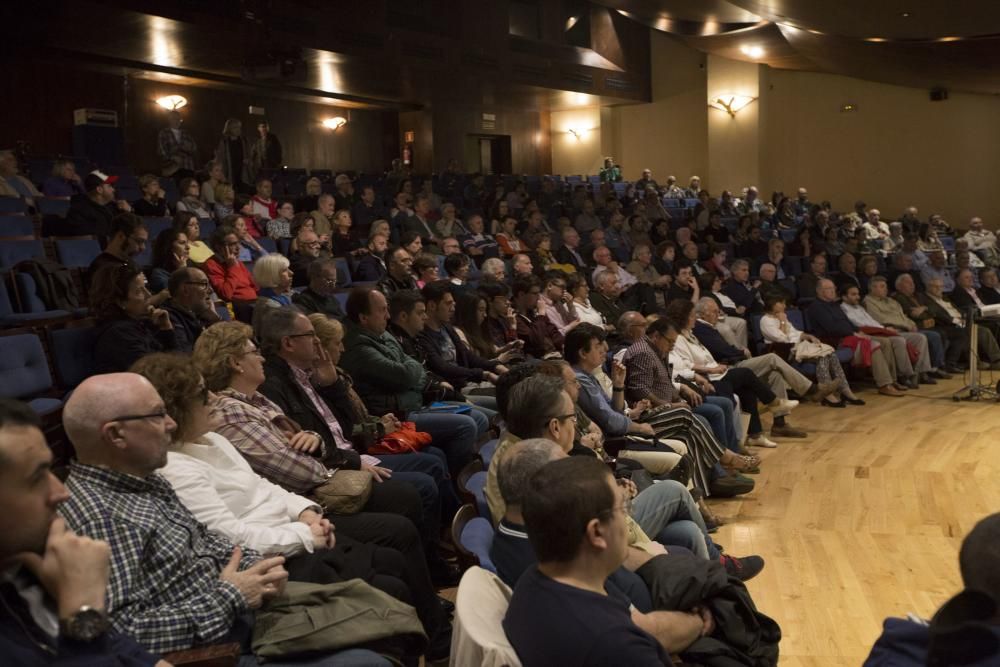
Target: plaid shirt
{"points": [[165, 589], [259, 430], [647, 374]]}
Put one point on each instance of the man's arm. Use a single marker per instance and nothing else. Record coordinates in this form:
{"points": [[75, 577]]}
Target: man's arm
{"points": [[675, 630]]}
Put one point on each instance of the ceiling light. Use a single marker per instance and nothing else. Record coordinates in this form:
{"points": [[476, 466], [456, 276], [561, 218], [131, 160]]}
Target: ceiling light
{"points": [[876, 39], [172, 102], [730, 103], [948, 39], [577, 133], [905, 15], [335, 123], [752, 51]]}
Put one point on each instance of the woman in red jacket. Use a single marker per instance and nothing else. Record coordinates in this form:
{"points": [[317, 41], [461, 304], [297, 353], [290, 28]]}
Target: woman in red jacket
{"points": [[229, 277]]}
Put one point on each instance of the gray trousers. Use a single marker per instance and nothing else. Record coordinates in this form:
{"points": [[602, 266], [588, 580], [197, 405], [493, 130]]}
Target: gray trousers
{"points": [[778, 375]]}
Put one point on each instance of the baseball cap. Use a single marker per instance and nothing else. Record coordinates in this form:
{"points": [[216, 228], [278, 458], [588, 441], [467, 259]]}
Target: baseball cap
{"points": [[96, 179]]}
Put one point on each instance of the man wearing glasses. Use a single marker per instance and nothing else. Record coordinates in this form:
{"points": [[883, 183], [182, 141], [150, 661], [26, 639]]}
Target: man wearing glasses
{"points": [[190, 306], [319, 297]]}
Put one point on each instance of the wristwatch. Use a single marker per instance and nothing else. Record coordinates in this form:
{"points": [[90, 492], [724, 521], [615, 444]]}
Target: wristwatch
{"points": [[86, 625]]}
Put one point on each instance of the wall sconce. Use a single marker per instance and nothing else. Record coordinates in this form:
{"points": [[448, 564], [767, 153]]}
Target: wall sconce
{"points": [[172, 102], [731, 104], [577, 133], [335, 123]]}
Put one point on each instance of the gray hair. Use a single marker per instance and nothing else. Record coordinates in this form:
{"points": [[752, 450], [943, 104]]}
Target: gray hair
{"points": [[267, 269], [878, 279], [316, 266], [490, 266], [900, 278], [276, 324], [739, 264], [531, 403], [604, 276], [519, 463], [702, 305], [326, 196]]}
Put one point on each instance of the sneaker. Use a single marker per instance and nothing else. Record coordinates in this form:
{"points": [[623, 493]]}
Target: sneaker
{"points": [[761, 441], [744, 569]]}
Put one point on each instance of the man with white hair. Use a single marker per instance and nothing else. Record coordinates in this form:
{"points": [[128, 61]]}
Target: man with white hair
{"points": [[174, 584], [13, 184]]}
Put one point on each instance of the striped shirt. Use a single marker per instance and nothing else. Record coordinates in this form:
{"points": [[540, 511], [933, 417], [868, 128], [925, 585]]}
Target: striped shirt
{"points": [[164, 589]]}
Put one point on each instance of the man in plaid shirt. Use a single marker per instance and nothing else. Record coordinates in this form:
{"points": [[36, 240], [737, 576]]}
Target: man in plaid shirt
{"points": [[174, 584]]}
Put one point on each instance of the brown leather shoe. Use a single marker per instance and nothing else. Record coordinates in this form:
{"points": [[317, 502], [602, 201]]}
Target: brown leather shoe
{"points": [[889, 390]]}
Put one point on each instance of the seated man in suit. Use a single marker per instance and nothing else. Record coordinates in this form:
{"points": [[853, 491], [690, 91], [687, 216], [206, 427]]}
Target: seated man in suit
{"points": [[966, 297], [769, 367], [945, 313], [989, 286], [371, 267], [769, 286], [889, 313], [606, 297], [807, 281], [743, 293], [569, 252], [847, 264], [319, 297], [915, 306]]}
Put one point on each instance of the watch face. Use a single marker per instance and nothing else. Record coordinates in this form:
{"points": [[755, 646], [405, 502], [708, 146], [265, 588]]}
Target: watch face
{"points": [[87, 624]]}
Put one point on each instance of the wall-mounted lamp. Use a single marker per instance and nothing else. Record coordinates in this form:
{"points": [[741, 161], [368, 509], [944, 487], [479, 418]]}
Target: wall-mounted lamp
{"points": [[731, 104], [172, 102], [577, 134], [335, 123]]}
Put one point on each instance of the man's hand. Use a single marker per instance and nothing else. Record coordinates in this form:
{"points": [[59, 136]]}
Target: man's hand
{"points": [[691, 396], [641, 406], [591, 440], [643, 429], [390, 422], [708, 622], [324, 371], [500, 369], [264, 579], [74, 569], [304, 442], [741, 309], [161, 319], [746, 353], [446, 386], [618, 373], [378, 473]]}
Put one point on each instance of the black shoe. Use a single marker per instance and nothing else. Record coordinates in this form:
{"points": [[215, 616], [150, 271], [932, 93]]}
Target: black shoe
{"points": [[940, 374], [444, 574], [956, 369], [925, 378], [439, 647], [730, 485], [911, 382], [853, 401], [447, 605], [745, 568], [831, 404]]}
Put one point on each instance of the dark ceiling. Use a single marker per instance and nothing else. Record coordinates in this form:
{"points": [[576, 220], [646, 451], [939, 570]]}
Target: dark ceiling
{"points": [[952, 44]]}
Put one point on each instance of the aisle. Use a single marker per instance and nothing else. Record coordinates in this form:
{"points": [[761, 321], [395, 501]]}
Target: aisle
{"points": [[864, 519]]}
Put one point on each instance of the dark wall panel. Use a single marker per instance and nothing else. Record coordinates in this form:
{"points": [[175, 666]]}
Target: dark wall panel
{"points": [[529, 136]]}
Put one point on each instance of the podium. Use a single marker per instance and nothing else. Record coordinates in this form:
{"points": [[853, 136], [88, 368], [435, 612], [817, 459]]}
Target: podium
{"points": [[975, 389]]}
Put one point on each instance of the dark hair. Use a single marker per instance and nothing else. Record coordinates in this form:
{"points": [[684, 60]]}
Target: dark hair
{"points": [[407, 238], [163, 249], [681, 262], [181, 220], [661, 326], [126, 224], [552, 276], [358, 303], [177, 279], [561, 499], [108, 287], [507, 381], [218, 240], [403, 301], [493, 289], [183, 186], [17, 413], [422, 262], [466, 316], [454, 262], [298, 220], [573, 281], [523, 284], [706, 280], [678, 311], [436, 290], [979, 557], [579, 340], [771, 300], [531, 403]]}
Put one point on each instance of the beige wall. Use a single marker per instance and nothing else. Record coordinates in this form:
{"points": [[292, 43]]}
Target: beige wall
{"points": [[576, 156], [669, 135], [733, 141], [898, 148]]}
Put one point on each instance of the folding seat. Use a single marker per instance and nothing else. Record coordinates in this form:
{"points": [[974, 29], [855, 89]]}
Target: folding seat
{"points": [[155, 226], [54, 207], [12, 252], [343, 272], [16, 225], [77, 253], [24, 373], [72, 354], [473, 536], [12, 205]]}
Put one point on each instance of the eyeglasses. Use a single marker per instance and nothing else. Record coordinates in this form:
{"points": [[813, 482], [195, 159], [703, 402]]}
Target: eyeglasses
{"points": [[162, 414], [200, 283], [562, 418]]}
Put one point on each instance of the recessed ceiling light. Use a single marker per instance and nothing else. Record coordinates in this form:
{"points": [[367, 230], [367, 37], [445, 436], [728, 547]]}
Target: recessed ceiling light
{"points": [[876, 39], [948, 39], [752, 51], [905, 15]]}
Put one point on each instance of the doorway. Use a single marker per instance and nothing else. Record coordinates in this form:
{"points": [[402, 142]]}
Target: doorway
{"points": [[488, 153]]}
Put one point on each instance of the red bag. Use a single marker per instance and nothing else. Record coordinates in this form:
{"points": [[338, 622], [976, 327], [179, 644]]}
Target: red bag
{"points": [[407, 439]]}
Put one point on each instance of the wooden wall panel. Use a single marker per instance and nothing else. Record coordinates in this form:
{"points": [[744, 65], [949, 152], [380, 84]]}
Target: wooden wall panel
{"points": [[528, 130]]}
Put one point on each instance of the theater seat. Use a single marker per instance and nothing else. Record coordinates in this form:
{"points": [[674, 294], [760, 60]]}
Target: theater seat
{"points": [[10, 317], [16, 225], [77, 253], [27, 290], [24, 372], [55, 207], [12, 252], [480, 606], [473, 536], [72, 354], [155, 226], [13, 205]]}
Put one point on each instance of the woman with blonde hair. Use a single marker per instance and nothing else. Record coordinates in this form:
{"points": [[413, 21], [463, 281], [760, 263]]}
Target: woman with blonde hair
{"points": [[274, 280]]}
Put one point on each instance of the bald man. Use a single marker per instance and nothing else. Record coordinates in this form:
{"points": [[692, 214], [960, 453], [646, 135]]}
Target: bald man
{"points": [[174, 584]]}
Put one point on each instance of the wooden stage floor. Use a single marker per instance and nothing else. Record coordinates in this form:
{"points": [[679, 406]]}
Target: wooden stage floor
{"points": [[864, 519]]}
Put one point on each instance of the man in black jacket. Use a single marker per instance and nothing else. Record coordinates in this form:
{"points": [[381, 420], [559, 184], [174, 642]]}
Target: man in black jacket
{"points": [[189, 306], [399, 276], [447, 356], [319, 297], [371, 267], [90, 214], [295, 383], [309, 250], [569, 252]]}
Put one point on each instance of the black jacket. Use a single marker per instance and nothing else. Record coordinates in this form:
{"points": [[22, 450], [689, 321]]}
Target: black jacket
{"points": [[467, 366], [121, 343], [828, 321], [723, 352], [280, 386], [299, 264], [85, 218], [370, 269], [961, 300], [312, 302], [565, 256], [389, 285], [187, 326]]}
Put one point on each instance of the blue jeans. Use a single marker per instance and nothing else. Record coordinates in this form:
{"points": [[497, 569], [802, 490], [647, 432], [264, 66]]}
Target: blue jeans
{"points": [[432, 462], [352, 657], [718, 412], [668, 514], [456, 435], [935, 347]]}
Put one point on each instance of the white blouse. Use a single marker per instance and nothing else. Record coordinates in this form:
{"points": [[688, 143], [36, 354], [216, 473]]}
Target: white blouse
{"points": [[776, 331], [220, 489], [587, 313], [688, 354]]}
